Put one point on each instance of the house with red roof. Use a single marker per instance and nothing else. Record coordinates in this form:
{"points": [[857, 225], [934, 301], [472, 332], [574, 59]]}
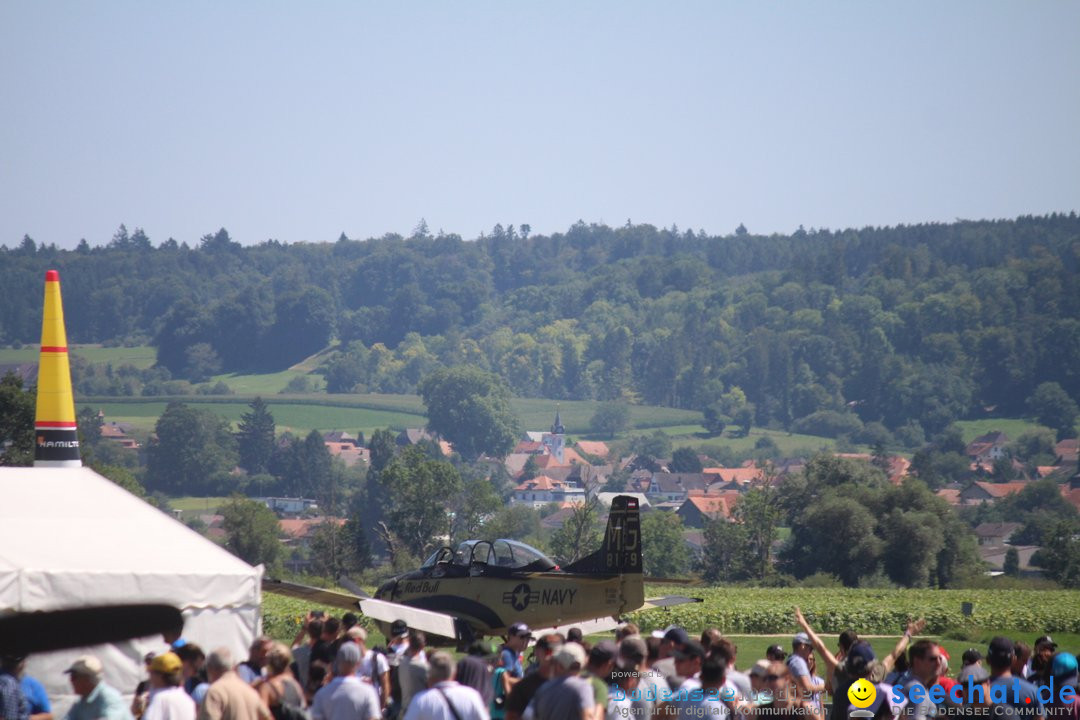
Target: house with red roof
{"points": [[980, 492], [988, 447], [698, 508]]}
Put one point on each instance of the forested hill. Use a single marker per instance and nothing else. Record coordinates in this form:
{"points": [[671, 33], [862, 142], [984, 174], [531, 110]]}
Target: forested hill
{"points": [[911, 326]]}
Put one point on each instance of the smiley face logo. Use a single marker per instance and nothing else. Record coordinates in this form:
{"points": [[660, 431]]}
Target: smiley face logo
{"points": [[862, 693]]}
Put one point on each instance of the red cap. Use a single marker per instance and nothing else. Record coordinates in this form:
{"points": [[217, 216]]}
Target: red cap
{"points": [[52, 276]]}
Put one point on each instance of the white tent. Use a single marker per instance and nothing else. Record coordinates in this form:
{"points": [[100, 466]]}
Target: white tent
{"points": [[69, 538]]}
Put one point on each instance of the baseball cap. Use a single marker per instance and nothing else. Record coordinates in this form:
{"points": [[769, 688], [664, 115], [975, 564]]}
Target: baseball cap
{"points": [[398, 628], [863, 651], [1000, 651], [800, 639], [166, 663], [519, 629], [690, 649], [1045, 640], [676, 635], [1063, 665], [776, 651], [570, 654], [88, 666]]}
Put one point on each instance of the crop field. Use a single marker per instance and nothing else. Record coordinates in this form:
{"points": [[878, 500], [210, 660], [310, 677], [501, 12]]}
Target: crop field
{"points": [[874, 612]]}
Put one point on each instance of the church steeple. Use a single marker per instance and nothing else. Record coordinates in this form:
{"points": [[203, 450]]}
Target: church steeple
{"points": [[555, 441], [557, 428]]}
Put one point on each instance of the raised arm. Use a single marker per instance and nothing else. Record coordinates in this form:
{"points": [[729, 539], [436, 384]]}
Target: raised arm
{"points": [[913, 628], [830, 660]]}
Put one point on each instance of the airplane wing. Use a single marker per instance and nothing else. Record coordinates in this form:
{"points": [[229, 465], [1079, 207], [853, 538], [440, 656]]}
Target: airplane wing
{"points": [[432, 623], [588, 627], [314, 595], [669, 601]]}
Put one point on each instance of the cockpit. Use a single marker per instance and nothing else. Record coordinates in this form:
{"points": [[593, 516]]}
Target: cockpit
{"points": [[508, 555]]}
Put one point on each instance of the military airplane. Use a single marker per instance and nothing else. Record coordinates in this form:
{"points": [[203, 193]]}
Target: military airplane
{"points": [[483, 586]]}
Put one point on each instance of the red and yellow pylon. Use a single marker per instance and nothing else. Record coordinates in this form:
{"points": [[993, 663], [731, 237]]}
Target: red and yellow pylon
{"points": [[56, 441]]}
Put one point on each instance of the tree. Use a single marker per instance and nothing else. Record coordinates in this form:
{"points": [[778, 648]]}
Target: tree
{"points": [[251, 531], [758, 512], [714, 420], [192, 452], [16, 422], [685, 460], [1060, 555], [657, 445], [611, 417], [412, 485], [579, 535], [122, 477], [515, 522], [471, 409], [724, 555], [664, 551], [1052, 406], [330, 549], [836, 535], [255, 437], [382, 446], [1012, 562], [477, 501]]}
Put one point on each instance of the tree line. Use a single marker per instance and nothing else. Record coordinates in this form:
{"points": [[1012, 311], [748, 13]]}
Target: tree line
{"points": [[882, 331]]}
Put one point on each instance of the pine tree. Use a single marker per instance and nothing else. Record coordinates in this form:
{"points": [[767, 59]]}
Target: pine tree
{"points": [[255, 437]]}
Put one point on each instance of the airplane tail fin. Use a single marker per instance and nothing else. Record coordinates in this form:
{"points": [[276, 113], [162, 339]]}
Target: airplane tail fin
{"points": [[620, 552]]}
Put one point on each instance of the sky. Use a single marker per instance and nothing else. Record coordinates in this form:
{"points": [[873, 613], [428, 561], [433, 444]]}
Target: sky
{"points": [[301, 121]]}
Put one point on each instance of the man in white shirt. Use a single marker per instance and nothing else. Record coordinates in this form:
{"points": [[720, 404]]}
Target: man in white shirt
{"points": [[168, 701], [445, 699], [346, 697], [373, 666]]}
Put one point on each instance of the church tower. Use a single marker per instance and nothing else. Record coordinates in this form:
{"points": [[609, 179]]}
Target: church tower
{"points": [[556, 440]]}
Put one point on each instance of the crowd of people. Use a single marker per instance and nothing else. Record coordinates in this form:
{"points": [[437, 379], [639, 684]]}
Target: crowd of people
{"points": [[330, 673]]}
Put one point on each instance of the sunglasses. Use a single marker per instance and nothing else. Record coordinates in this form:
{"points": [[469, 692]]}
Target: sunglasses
{"points": [[773, 678]]}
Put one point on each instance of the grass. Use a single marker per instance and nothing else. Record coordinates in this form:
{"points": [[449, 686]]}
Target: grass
{"points": [[142, 356], [1013, 427], [197, 505], [297, 418], [304, 412], [789, 443], [265, 383]]}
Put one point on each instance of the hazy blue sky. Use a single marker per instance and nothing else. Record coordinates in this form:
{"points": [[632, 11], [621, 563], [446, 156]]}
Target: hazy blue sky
{"points": [[299, 121]]}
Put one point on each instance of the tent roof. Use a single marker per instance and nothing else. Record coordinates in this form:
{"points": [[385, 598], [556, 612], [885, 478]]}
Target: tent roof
{"points": [[69, 534]]}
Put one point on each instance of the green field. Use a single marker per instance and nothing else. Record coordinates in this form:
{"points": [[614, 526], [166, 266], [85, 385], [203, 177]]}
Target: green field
{"points": [[142, 356], [789, 443], [874, 612], [1013, 427], [296, 418], [302, 413]]}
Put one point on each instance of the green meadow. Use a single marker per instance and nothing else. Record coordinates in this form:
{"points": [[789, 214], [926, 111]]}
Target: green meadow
{"points": [[141, 356]]}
